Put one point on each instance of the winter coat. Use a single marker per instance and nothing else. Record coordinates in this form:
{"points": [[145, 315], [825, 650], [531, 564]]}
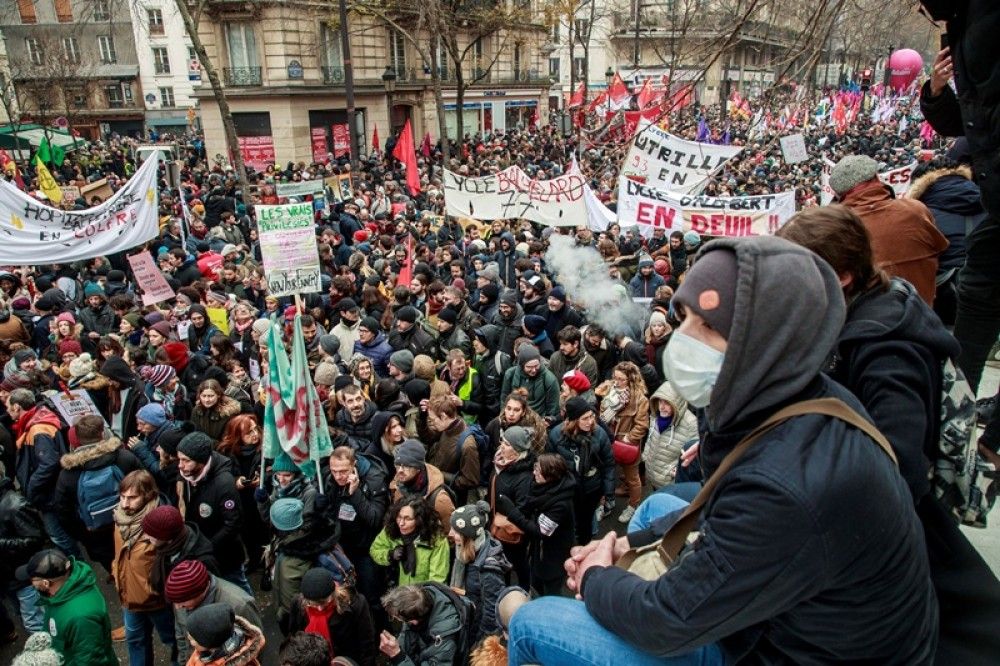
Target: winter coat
{"points": [[12, 328], [514, 481], [549, 522], [957, 206], [101, 321], [433, 559], [39, 448], [434, 488], [191, 544], [245, 655], [484, 578], [348, 335], [433, 641], [352, 631], [640, 287], [77, 618], [213, 421], [360, 514], [131, 568], [360, 436], [459, 462], [557, 320], [510, 329], [214, 506], [300, 488], [455, 339], [416, 339], [663, 448], [506, 259], [543, 390], [560, 364], [905, 242], [491, 369], [21, 532], [588, 457], [378, 352], [631, 421]]}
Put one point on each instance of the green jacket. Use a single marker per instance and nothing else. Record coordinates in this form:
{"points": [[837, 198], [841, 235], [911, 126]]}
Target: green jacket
{"points": [[433, 561], [77, 618]]}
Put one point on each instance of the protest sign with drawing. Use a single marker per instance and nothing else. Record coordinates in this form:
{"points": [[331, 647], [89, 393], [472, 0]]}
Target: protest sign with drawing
{"points": [[73, 405], [513, 194], [148, 277], [288, 248]]}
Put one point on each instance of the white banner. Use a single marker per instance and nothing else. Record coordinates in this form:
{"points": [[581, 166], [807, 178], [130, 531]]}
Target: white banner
{"points": [[34, 233], [667, 162], [512, 194], [288, 248], [649, 208], [898, 179]]}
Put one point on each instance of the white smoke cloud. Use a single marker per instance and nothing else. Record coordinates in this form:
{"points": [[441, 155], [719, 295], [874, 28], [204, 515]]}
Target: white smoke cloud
{"points": [[584, 275]]}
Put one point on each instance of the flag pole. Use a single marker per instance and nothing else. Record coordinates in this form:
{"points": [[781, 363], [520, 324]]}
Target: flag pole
{"points": [[319, 471]]}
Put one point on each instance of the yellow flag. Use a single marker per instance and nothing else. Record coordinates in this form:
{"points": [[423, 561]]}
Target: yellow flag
{"points": [[46, 183]]}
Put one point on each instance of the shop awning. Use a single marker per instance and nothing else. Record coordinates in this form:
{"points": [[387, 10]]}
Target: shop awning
{"points": [[30, 137]]}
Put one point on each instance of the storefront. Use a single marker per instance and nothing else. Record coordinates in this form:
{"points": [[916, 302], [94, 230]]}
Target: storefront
{"points": [[486, 115]]}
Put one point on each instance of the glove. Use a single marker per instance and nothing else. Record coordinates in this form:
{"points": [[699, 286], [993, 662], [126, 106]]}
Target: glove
{"points": [[322, 502], [397, 554], [260, 495], [505, 506]]}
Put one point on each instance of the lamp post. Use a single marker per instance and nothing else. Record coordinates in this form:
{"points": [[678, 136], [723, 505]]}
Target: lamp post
{"points": [[389, 81], [608, 75], [888, 67]]}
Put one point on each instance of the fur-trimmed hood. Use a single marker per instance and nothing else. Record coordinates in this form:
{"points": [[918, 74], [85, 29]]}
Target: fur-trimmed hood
{"points": [[921, 185], [224, 409], [92, 452]]}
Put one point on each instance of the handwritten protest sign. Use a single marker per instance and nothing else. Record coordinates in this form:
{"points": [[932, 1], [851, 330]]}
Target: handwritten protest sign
{"points": [[513, 194], [73, 405], [149, 278], [667, 162], [649, 208], [288, 248], [299, 189], [34, 233], [793, 148], [339, 187]]}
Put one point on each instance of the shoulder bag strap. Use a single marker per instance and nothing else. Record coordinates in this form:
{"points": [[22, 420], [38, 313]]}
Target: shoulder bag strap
{"points": [[673, 541]]}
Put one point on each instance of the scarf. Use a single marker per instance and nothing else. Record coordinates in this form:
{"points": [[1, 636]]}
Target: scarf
{"points": [[195, 480], [168, 400], [663, 422], [130, 527], [409, 562], [114, 400], [318, 621]]}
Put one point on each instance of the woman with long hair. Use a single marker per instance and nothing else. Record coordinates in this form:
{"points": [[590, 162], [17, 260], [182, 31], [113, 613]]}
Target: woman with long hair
{"points": [[625, 410], [223, 350], [517, 411], [213, 409], [241, 441], [413, 541], [480, 568], [364, 373]]}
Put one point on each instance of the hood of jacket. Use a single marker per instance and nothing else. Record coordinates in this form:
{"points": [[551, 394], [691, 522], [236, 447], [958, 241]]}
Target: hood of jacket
{"points": [[380, 421], [780, 338], [950, 190], [444, 620], [509, 237], [376, 341], [81, 580], [492, 334], [668, 393], [220, 463], [92, 456], [898, 314]]}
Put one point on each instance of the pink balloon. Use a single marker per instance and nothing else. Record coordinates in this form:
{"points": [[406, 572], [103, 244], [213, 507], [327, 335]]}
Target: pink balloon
{"points": [[905, 65]]}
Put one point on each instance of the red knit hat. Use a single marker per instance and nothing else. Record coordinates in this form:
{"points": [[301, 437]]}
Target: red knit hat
{"points": [[70, 347], [164, 523], [187, 580], [577, 381], [360, 236], [177, 355]]}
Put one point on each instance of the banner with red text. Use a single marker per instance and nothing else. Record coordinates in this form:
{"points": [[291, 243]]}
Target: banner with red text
{"points": [[341, 140], [513, 194], [649, 208], [898, 179], [317, 136], [257, 151]]}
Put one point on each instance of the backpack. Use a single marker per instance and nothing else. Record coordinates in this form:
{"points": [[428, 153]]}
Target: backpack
{"points": [[960, 478], [466, 609], [336, 562], [482, 445], [97, 496]]}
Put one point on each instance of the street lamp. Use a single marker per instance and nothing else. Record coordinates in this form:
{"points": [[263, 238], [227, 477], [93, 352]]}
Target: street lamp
{"points": [[608, 75], [389, 81]]}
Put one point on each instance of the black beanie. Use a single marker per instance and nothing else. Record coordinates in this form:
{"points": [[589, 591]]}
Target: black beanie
{"points": [[370, 324], [490, 291], [317, 584], [408, 314], [448, 314], [197, 446], [709, 289], [509, 297], [172, 437], [417, 390], [577, 407], [212, 625]]}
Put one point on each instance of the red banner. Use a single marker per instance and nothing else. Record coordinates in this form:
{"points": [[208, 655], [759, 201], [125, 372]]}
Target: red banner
{"points": [[341, 140], [258, 151], [319, 146]]}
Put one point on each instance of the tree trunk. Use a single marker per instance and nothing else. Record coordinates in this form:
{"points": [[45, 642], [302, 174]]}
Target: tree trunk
{"points": [[439, 104], [232, 143]]}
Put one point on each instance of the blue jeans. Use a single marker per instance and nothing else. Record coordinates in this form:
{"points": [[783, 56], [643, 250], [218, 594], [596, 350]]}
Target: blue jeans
{"points": [[557, 630], [32, 615], [139, 627], [238, 577], [655, 506], [59, 536]]}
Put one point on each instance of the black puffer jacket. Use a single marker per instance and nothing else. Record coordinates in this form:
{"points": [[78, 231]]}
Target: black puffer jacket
{"points": [[361, 435], [589, 459], [214, 506], [491, 369], [514, 481], [21, 532]]}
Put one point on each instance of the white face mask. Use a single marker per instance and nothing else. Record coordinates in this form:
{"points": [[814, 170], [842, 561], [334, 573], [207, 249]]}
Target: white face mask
{"points": [[692, 368]]}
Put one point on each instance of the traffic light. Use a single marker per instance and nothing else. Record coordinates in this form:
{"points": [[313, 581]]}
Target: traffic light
{"points": [[866, 79]]}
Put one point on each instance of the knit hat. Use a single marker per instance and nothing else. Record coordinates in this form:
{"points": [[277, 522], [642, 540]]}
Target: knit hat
{"points": [[490, 272], [157, 375], [577, 381], [416, 390], [342, 382], [177, 355], [92, 289], [526, 354], [402, 359], [330, 344], [161, 327], [117, 369], [448, 314], [470, 520], [66, 317], [133, 319], [709, 289], [411, 453], [261, 326], [458, 283], [490, 291], [282, 463], [346, 305], [70, 347], [408, 314], [534, 325], [510, 599], [38, 651], [212, 625], [558, 293], [171, 439], [48, 301], [661, 267], [228, 249], [518, 437], [22, 355], [852, 171], [692, 238], [326, 373], [164, 523], [508, 297], [317, 584], [153, 414], [370, 324], [286, 514], [658, 318], [186, 581], [197, 446], [81, 366], [577, 407]]}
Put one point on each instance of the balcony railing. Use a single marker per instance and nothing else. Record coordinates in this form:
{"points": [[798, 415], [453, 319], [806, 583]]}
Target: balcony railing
{"points": [[333, 74], [242, 77]]}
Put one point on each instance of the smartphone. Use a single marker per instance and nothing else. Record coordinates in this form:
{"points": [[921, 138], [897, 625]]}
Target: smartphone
{"points": [[944, 40]]}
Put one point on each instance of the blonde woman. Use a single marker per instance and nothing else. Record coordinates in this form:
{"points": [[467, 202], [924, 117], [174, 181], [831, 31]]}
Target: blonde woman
{"points": [[625, 410], [480, 568]]}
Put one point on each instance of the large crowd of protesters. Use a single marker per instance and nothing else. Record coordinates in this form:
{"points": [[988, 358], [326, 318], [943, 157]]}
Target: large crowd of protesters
{"points": [[484, 423]]}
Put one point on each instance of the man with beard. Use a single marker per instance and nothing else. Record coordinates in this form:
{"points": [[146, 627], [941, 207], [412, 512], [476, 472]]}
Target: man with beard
{"points": [[410, 334], [347, 330], [97, 318], [533, 300], [414, 476], [541, 384], [510, 320], [354, 419]]}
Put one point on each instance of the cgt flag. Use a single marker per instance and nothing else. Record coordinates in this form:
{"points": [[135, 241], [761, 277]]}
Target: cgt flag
{"points": [[294, 422]]}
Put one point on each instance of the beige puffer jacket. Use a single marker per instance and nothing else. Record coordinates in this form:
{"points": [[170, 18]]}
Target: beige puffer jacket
{"points": [[663, 449]]}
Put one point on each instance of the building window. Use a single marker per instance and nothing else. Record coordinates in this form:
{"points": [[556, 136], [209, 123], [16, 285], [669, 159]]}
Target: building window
{"points": [[34, 50], [554, 37], [115, 98], [397, 52], [155, 17], [102, 10], [71, 50], [161, 61], [27, 10], [553, 68], [582, 30], [192, 53], [330, 47], [167, 98], [578, 68], [517, 61], [64, 13], [106, 44], [242, 44]]}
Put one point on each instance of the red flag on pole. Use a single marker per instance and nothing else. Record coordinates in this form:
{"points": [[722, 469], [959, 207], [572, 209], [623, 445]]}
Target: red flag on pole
{"points": [[375, 146], [406, 153], [406, 270], [646, 95], [618, 93], [577, 98], [425, 148]]}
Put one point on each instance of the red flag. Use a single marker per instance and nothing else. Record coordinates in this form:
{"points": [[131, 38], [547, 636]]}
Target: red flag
{"points": [[534, 118], [618, 93], [10, 166], [406, 153], [577, 98], [598, 101], [406, 270], [646, 96], [425, 147], [375, 146]]}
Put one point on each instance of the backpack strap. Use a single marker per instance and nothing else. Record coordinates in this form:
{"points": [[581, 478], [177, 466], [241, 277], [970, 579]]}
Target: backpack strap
{"points": [[675, 538]]}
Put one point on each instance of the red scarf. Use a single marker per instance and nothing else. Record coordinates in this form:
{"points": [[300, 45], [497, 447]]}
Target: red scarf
{"points": [[318, 622]]}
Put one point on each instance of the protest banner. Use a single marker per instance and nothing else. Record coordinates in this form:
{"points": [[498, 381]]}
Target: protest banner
{"points": [[339, 187], [70, 193], [319, 146], [148, 277], [288, 248], [648, 208], [898, 179], [793, 148], [220, 318], [34, 233], [513, 194], [299, 189], [670, 163], [73, 405]]}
